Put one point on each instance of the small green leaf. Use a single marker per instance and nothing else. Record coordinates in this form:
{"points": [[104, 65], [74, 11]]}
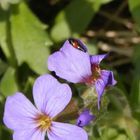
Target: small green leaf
{"points": [[89, 97], [135, 90], [8, 84], [92, 48], [5, 4], [5, 37], [135, 93], [30, 41], [6, 134], [14, 1], [71, 20], [112, 132], [121, 137], [136, 58], [98, 3], [75, 18], [118, 101], [134, 6], [60, 29], [2, 25], [3, 67], [0, 131], [135, 86], [3, 18]]}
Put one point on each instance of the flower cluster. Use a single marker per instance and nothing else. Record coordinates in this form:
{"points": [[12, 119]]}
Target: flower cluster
{"points": [[74, 64], [32, 123]]}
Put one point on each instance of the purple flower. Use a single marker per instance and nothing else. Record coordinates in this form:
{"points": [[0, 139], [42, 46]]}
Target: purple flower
{"points": [[85, 118], [73, 63], [31, 123]]}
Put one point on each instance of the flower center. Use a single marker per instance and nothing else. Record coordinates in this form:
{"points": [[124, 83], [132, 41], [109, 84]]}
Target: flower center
{"points": [[95, 71], [95, 74], [44, 122]]}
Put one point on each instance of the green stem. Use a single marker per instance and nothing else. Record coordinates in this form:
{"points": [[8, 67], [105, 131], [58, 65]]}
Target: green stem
{"points": [[7, 45]]}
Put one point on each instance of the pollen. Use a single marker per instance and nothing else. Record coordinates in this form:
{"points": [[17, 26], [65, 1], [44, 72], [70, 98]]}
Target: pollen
{"points": [[96, 72], [44, 122]]}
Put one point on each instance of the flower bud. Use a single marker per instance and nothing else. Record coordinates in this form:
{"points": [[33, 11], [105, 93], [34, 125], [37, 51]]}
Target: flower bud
{"points": [[84, 118]]}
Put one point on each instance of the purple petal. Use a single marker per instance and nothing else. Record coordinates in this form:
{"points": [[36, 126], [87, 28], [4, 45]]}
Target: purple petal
{"points": [[50, 96], [105, 80], [111, 80], [29, 134], [19, 112], [70, 63], [64, 131], [100, 86], [108, 77], [85, 118], [101, 83], [41, 90], [96, 59]]}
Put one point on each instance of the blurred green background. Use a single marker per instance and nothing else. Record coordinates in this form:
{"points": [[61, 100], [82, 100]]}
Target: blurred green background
{"points": [[31, 30]]}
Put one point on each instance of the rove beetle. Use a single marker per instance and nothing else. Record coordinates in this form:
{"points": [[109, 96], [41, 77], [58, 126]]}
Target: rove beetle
{"points": [[77, 44]]}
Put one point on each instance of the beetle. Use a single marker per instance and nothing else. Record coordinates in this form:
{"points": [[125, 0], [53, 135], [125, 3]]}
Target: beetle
{"points": [[76, 43]]}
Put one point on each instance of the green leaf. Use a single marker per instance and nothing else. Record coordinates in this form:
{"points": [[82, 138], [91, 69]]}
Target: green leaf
{"points": [[3, 67], [92, 48], [30, 41], [75, 18], [2, 25], [99, 3], [6, 134], [14, 1], [5, 37], [3, 18], [8, 84], [0, 131], [135, 88], [135, 93], [5, 4], [134, 6], [136, 58]]}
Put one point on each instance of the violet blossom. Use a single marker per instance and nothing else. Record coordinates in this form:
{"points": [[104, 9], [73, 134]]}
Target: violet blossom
{"points": [[74, 64], [85, 118], [31, 122]]}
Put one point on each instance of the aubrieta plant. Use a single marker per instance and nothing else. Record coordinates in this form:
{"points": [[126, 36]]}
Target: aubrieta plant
{"points": [[74, 64], [31, 123]]}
